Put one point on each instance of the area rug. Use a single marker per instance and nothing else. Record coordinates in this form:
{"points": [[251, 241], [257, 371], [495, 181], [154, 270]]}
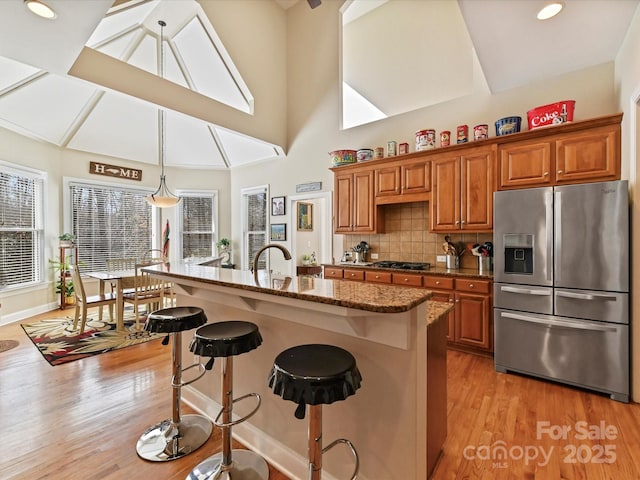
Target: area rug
{"points": [[59, 343]]}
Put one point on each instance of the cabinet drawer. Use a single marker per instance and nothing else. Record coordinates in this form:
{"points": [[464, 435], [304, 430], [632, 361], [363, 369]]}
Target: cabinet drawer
{"points": [[442, 283], [407, 279], [380, 277], [333, 273], [353, 274], [473, 286]]}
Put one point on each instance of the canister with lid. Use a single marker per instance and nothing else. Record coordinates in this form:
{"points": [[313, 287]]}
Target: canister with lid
{"points": [[445, 138], [481, 132], [392, 148], [462, 134], [425, 140]]}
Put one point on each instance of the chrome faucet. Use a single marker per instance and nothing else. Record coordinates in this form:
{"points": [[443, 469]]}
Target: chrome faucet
{"points": [[254, 267]]}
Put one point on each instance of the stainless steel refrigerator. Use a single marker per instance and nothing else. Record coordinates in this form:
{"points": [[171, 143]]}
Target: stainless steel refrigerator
{"points": [[561, 284]]}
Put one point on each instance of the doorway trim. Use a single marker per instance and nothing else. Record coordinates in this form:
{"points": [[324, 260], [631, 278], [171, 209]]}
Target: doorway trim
{"points": [[323, 222]]}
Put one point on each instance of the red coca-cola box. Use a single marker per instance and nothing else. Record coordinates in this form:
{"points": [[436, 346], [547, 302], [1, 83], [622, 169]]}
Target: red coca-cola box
{"points": [[552, 114]]}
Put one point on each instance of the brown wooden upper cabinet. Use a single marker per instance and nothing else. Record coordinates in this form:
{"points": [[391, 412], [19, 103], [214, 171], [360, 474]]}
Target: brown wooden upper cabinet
{"points": [[403, 181], [354, 209], [588, 154], [462, 190]]}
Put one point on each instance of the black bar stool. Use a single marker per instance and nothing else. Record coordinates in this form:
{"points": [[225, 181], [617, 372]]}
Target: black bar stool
{"points": [[227, 339], [315, 375], [178, 436]]}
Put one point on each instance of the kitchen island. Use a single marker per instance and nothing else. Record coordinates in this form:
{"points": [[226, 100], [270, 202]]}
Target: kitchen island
{"points": [[396, 420]]}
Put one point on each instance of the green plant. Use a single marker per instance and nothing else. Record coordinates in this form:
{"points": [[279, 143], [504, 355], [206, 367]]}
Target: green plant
{"points": [[67, 237], [223, 243], [69, 290], [62, 268]]}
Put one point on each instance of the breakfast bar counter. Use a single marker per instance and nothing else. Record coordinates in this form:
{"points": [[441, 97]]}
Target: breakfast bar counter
{"points": [[396, 420]]}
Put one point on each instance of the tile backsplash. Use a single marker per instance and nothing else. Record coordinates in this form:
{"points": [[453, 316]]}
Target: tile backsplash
{"points": [[408, 239]]}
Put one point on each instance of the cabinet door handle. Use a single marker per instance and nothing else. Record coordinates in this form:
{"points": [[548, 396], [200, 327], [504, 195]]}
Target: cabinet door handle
{"points": [[457, 222], [546, 174], [560, 172], [462, 222]]}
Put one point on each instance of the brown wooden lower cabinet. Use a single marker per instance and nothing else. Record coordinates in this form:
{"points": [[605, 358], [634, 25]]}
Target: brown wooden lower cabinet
{"points": [[470, 323]]}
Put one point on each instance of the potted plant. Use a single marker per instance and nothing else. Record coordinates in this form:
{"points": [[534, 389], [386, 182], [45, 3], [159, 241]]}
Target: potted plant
{"points": [[62, 271], [67, 239], [224, 248], [223, 245]]}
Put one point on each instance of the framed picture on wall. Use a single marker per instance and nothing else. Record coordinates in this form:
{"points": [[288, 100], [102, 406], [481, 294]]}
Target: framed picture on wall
{"points": [[279, 231], [305, 216], [277, 206]]}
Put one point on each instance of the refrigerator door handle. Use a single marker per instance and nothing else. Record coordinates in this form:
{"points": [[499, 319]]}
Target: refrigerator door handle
{"points": [[549, 232], [525, 291], [556, 323], [586, 296], [558, 235]]}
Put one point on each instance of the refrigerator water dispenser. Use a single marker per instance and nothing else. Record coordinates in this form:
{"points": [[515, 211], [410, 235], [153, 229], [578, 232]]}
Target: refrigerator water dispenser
{"points": [[518, 253]]}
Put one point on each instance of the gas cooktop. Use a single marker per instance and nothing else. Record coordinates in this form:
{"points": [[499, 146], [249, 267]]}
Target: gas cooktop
{"points": [[402, 265]]}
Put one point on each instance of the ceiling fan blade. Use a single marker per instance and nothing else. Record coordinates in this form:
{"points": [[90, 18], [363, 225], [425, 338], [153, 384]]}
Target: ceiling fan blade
{"points": [[314, 3]]}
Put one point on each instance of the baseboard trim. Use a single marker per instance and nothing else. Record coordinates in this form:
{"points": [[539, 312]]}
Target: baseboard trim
{"points": [[30, 312]]}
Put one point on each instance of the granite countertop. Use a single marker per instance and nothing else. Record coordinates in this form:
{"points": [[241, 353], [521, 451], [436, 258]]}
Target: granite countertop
{"points": [[435, 310], [448, 272], [373, 297]]}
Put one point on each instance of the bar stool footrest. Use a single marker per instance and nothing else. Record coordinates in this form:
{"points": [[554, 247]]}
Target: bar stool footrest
{"points": [[353, 452], [216, 421], [201, 372]]}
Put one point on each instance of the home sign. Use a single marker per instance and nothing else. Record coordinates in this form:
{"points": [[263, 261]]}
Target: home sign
{"points": [[115, 171]]}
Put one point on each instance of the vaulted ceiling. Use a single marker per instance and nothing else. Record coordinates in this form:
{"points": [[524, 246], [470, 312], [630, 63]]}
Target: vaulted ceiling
{"points": [[39, 99]]}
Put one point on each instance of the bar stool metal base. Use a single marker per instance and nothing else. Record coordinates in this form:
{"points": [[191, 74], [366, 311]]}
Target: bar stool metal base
{"points": [[246, 465], [167, 441]]}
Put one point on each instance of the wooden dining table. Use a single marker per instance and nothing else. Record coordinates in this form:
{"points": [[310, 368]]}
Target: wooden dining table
{"points": [[122, 279]]}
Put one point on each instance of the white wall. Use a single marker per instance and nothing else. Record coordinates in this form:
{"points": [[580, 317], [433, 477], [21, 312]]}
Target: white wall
{"points": [[627, 78], [313, 109]]}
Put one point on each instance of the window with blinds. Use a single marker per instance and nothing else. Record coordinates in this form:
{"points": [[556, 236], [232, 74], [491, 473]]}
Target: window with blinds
{"points": [[198, 225], [21, 227], [109, 222], [255, 221]]}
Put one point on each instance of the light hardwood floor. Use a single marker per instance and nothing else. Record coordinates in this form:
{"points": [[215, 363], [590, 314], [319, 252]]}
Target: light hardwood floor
{"points": [[81, 420]]}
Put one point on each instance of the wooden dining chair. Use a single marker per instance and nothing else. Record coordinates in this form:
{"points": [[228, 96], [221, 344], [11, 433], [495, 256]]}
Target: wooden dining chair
{"points": [[83, 302], [147, 291], [121, 264], [154, 256]]}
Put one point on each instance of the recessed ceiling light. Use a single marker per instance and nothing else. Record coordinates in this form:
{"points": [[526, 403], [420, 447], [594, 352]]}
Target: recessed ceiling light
{"points": [[550, 10], [41, 9]]}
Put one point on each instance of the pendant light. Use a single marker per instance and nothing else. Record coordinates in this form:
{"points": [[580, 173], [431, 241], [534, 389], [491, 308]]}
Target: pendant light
{"points": [[162, 197]]}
